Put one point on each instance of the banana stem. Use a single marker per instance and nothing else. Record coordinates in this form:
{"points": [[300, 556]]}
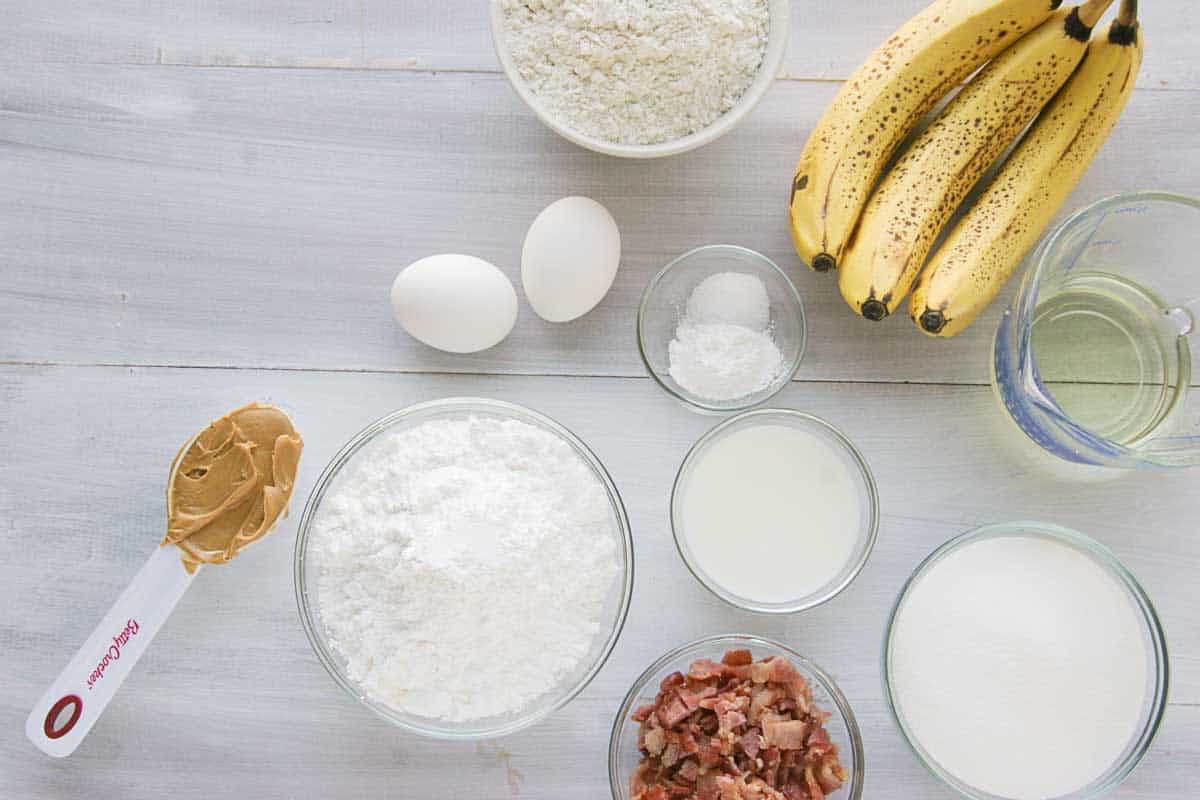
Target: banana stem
{"points": [[1127, 15], [1091, 11]]}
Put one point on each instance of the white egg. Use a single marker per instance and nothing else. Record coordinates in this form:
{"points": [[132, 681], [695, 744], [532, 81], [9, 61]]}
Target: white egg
{"points": [[456, 303], [570, 257]]}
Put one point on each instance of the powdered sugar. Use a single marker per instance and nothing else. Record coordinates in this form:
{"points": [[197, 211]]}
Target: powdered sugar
{"points": [[464, 566], [637, 71], [723, 349]]}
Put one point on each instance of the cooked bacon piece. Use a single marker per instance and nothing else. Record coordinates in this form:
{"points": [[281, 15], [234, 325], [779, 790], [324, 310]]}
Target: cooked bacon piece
{"points": [[731, 789], [735, 730], [794, 791], [790, 735], [674, 712], [638, 780], [671, 754], [705, 669], [671, 681], [654, 740], [814, 788], [729, 718], [831, 775], [706, 787], [819, 744], [710, 751], [770, 766], [750, 742], [761, 697], [642, 713], [737, 658]]}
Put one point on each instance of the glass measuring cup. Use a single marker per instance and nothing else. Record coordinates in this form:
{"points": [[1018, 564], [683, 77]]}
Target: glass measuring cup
{"points": [[1092, 359]]}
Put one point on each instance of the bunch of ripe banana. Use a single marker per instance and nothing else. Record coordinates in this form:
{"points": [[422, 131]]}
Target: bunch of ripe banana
{"points": [[1041, 69]]}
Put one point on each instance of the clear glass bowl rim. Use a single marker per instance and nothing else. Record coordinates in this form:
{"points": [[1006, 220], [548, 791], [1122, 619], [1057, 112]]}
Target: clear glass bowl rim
{"points": [[696, 403], [1073, 538], [802, 603], [709, 645], [308, 613]]}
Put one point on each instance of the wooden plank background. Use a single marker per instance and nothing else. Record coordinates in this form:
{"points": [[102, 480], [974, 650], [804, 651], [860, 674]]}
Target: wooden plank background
{"points": [[205, 202]]}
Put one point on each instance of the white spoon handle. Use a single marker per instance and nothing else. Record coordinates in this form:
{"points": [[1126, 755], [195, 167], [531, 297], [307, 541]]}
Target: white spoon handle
{"points": [[66, 712]]}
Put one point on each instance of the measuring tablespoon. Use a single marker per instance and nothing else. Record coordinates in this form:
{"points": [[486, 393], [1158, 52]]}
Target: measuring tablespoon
{"points": [[227, 487]]}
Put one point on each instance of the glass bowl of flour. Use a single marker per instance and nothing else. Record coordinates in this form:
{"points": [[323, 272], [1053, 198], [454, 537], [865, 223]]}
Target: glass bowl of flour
{"points": [[464, 567], [721, 329]]}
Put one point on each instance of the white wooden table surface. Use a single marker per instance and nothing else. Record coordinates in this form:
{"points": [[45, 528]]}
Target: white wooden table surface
{"points": [[204, 202]]}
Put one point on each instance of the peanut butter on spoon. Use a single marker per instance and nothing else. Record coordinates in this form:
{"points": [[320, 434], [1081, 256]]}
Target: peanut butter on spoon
{"points": [[230, 483]]}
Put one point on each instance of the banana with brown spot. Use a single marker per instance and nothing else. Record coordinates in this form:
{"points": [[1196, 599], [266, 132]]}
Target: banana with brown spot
{"points": [[881, 103], [988, 243], [917, 197]]}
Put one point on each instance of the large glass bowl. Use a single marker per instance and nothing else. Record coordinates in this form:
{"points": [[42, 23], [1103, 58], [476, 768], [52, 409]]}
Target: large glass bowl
{"points": [[666, 297], [307, 572], [623, 755], [1157, 672]]}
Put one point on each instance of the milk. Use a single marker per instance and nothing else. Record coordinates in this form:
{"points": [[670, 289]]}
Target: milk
{"points": [[771, 512]]}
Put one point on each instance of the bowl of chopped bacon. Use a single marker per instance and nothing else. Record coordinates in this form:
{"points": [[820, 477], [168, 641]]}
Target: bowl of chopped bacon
{"points": [[735, 717]]}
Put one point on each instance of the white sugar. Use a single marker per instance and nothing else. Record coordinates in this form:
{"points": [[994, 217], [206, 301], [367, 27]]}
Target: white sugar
{"points": [[1020, 667]]}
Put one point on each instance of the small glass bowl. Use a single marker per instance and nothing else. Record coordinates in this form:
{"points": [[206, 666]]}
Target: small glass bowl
{"points": [[869, 499], [666, 297], [306, 572], [1158, 676], [623, 755]]}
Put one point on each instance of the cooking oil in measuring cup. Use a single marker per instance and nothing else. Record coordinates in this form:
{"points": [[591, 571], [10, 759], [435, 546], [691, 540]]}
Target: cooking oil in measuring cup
{"points": [[1113, 356], [1094, 358]]}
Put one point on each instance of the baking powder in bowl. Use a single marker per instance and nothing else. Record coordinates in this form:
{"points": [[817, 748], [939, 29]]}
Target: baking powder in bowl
{"points": [[464, 566], [1018, 664]]}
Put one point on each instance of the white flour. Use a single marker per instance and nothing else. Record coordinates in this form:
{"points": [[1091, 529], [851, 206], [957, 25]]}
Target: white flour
{"points": [[1020, 667], [723, 348], [464, 566], [637, 71]]}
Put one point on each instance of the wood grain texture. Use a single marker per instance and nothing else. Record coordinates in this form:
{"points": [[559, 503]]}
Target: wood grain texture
{"points": [[124, 191], [212, 199], [231, 679], [828, 38]]}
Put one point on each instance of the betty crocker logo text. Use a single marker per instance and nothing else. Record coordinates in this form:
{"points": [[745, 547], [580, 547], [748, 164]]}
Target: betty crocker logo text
{"points": [[114, 652]]}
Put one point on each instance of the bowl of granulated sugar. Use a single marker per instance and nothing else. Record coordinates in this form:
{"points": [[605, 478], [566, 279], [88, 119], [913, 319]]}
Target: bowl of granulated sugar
{"points": [[464, 567], [640, 79]]}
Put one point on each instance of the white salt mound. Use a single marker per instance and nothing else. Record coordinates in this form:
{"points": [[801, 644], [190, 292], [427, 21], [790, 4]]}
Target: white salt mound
{"points": [[723, 348], [732, 297]]}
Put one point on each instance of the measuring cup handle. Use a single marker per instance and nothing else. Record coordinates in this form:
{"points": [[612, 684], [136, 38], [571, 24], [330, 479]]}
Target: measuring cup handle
{"points": [[68, 709]]}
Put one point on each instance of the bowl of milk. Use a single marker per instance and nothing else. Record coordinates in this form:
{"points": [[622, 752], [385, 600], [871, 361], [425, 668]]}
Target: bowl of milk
{"points": [[774, 511]]}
